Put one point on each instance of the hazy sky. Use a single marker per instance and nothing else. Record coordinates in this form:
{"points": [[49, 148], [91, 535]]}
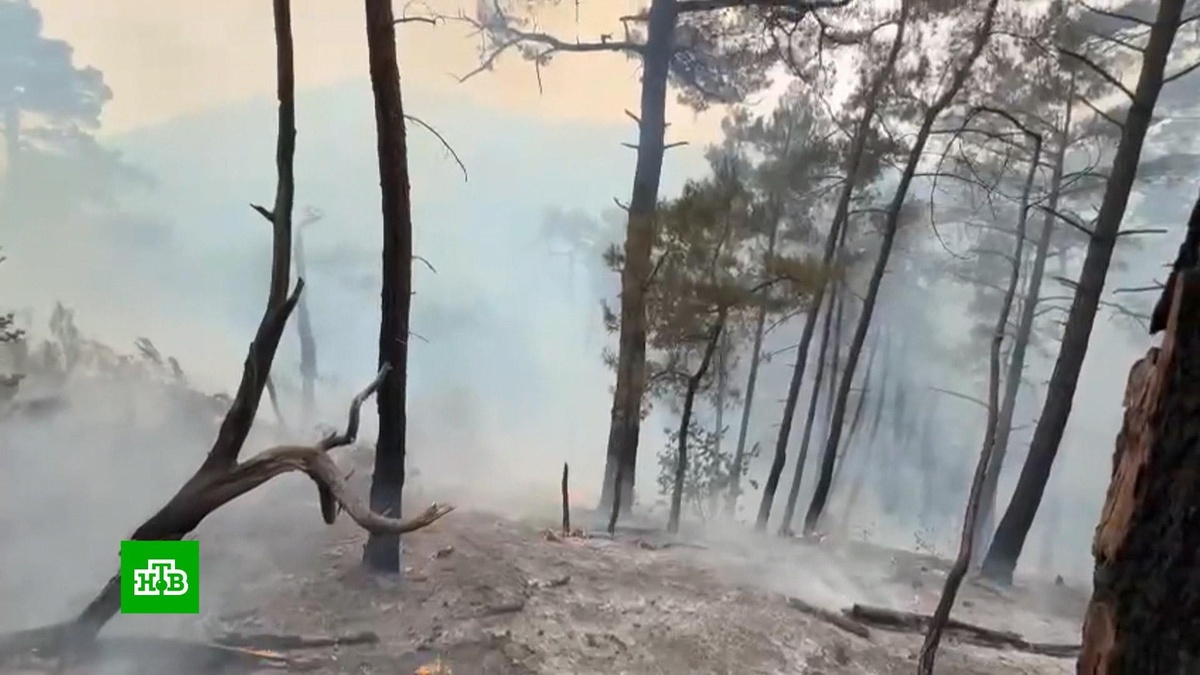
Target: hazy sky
{"points": [[167, 58]]}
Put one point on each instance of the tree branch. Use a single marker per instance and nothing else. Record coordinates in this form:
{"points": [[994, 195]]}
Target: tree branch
{"points": [[1098, 69], [685, 6]]}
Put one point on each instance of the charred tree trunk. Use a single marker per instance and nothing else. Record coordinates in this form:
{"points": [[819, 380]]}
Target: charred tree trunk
{"points": [[785, 527], [382, 552], [1144, 610], [209, 487], [835, 358], [722, 357], [864, 387], [868, 453], [1001, 559], [1016, 359], [739, 453], [685, 420], [889, 237], [854, 162], [626, 420], [962, 562]]}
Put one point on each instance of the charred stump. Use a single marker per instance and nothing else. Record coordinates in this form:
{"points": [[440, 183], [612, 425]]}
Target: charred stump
{"points": [[1144, 614]]}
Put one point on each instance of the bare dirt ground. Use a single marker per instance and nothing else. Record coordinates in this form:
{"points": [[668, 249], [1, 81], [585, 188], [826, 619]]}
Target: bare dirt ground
{"points": [[490, 595], [485, 594]]}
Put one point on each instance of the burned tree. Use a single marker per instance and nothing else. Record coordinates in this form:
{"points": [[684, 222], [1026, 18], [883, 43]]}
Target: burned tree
{"points": [[1143, 614], [958, 570], [947, 96], [382, 552], [863, 135], [221, 477], [1001, 559], [689, 43]]}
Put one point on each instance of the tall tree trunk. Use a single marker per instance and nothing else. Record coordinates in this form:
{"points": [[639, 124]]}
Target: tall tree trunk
{"points": [[621, 464], [722, 357], [1142, 617], [685, 420], [789, 512], [1001, 559], [854, 162], [308, 343], [855, 422], [382, 552], [871, 451], [962, 562], [1016, 358], [835, 357], [889, 237], [739, 453]]}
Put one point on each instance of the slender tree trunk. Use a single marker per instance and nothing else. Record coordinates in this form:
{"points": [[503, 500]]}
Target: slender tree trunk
{"points": [[1016, 358], [308, 343], [958, 570], [789, 512], [1142, 617], [639, 238], [382, 552], [1001, 559], [864, 387], [739, 453], [835, 358], [889, 237], [685, 421], [854, 162], [719, 418]]}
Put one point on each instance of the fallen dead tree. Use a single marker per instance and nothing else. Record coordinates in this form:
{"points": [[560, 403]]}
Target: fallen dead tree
{"points": [[207, 491], [222, 478], [913, 622]]}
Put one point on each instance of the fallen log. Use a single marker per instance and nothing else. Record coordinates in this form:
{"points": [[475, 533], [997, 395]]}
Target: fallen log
{"points": [[912, 622], [146, 654], [270, 641], [846, 623]]}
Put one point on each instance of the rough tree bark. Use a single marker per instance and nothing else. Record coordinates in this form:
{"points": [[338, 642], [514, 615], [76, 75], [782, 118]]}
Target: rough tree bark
{"points": [[789, 511], [1016, 359], [954, 578], [1144, 613], [891, 226], [685, 419], [853, 163], [382, 552], [1001, 559]]}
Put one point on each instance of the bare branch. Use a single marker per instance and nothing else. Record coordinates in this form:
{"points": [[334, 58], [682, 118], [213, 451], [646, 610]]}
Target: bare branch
{"points": [[425, 262], [958, 395], [1145, 230], [1102, 114], [1098, 69], [685, 6], [441, 139], [1116, 15], [1186, 70]]}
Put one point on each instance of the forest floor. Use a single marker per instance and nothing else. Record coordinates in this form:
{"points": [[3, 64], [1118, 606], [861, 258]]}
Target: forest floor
{"points": [[489, 595]]}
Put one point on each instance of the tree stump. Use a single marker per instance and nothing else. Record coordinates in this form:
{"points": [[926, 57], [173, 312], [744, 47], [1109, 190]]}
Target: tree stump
{"points": [[1144, 614]]}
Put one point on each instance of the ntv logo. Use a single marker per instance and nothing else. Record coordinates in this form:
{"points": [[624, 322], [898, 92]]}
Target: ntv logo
{"points": [[160, 577]]}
